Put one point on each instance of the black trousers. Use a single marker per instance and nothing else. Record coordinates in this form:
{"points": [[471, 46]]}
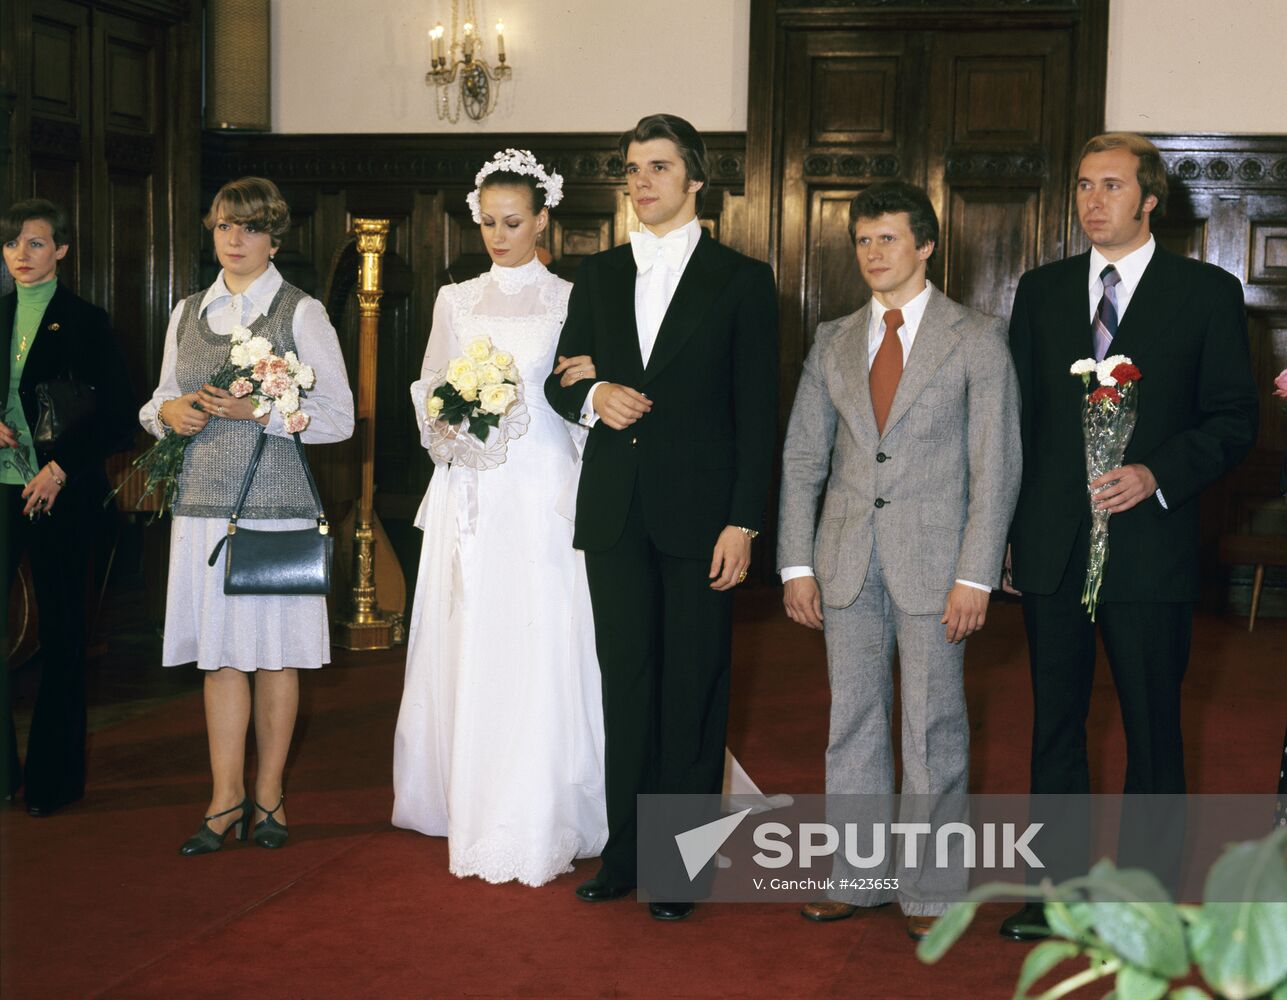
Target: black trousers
{"points": [[59, 546], [663, 639], [1148, 652]]}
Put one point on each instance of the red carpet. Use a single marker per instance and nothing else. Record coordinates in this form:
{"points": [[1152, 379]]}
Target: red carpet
{"points": [[95, 901]]}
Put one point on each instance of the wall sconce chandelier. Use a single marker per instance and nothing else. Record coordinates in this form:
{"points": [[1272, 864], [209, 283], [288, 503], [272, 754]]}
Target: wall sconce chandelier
{"points": [[462, 58]]}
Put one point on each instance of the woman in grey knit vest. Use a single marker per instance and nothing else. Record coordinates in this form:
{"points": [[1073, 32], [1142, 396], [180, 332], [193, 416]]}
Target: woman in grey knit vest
{"points": [[231, 637]]}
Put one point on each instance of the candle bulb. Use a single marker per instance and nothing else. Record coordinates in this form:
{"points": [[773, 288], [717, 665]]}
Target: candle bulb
{"points": [[469, 41], [436, 35], [500, 40]]}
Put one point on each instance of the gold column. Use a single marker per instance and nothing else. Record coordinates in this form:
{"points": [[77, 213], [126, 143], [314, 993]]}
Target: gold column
{"points": [[367, 628]]}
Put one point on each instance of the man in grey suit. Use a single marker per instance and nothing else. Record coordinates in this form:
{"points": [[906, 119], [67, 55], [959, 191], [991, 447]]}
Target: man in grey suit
{"points": [[906, 425]]}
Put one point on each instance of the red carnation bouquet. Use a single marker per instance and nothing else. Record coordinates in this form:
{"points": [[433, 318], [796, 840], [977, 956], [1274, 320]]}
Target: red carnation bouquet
{"points": [[1107, 423]]}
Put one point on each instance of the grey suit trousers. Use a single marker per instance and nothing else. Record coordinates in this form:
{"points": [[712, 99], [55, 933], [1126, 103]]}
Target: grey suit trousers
{"points": [[861, 640]]}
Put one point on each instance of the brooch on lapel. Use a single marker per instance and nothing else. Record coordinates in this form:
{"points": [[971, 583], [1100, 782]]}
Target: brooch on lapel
{"points": [[53, 327]]}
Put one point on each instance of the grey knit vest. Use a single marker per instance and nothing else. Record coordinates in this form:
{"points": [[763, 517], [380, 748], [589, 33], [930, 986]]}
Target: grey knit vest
{"points": [[215, 463]]}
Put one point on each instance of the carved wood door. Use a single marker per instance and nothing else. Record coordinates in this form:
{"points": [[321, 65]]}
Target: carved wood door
{"points": [[109, 96], [984, 105]]}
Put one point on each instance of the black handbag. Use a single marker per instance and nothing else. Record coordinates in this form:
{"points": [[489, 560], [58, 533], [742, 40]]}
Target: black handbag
{"points": [[66, 404], [276, 562]]}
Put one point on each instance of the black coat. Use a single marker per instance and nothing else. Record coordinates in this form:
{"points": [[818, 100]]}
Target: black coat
{"points": [[75, 339], [703, 455], [1186, 330]]}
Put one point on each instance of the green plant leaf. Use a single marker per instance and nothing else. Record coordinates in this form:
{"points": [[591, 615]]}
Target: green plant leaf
{"points": [[1189, 993], [1127, 917], [945, 932], [1281, 992], [1134, 983], [1239, 945], [954, 922], [1041, 960], [1064, 922]]}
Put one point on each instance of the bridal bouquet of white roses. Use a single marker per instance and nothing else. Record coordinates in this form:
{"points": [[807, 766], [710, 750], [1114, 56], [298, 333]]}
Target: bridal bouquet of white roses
{"points": [[252, 369], [481, 387]]}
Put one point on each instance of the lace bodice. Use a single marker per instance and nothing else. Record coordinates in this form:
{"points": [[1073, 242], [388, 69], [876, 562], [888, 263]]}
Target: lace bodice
{"points": [[520, 308], [521, 311]]}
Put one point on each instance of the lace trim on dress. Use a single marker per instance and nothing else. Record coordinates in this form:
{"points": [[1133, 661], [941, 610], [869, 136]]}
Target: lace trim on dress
{"points": [[512, 280], [501, 858]]}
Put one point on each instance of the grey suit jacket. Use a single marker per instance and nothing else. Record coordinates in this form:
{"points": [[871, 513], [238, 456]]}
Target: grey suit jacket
{"points": [[935, 493]]}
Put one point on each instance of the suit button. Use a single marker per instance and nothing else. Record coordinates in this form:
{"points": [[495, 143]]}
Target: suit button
{"points": [[881, 457], [634, 441], [880, 502]]}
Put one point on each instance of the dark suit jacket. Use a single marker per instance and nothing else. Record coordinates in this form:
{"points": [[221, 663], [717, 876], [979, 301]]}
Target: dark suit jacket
{"points": [[1186, 329], [703, 456], [75, 339]]}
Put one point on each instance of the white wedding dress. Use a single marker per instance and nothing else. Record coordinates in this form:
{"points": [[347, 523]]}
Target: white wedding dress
{"points": [[499, 743]]}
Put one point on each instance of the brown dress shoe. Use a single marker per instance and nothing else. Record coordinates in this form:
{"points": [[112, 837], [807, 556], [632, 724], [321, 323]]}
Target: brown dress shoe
{"points": [[827, 909], [918, 927]]}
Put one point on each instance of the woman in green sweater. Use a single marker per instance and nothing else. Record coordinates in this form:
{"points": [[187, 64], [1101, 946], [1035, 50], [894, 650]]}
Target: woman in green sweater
{"points": [[53, 490]]}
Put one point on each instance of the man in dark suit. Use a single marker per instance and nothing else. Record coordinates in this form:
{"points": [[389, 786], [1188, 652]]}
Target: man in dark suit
{"points": [[1183, 324], [683, 417]]}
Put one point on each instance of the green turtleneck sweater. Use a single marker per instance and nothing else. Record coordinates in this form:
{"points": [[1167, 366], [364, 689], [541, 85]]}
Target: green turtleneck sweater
{"points": [[32, 302]]}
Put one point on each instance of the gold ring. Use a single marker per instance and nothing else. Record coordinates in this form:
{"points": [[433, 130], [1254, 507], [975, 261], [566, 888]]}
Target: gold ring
{"points": [[741, 577]]}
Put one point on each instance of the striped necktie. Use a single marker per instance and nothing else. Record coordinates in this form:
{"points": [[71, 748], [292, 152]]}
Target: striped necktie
{"points": [[1104, 329]]}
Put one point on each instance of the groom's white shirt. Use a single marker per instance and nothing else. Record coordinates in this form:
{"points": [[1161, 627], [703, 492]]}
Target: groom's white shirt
{"points": [[653, 292]]}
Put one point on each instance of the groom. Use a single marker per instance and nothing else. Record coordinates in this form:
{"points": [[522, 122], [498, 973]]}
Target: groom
{"points": [[683, 333]]}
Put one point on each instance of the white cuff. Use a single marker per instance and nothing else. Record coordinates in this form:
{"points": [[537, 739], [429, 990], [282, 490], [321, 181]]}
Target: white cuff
{"points": [[588, 415], [794, 572], [1161, 499], [977, 586]]}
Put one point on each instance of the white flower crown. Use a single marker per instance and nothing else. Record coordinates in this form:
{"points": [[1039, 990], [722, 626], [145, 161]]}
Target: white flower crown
{"points": [[516, 161]]}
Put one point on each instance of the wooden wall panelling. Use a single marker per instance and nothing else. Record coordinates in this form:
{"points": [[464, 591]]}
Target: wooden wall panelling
{"points": [[107, 108], [420, 182], [1228, 205], [130, 188], [56, 106], [971, 99], [998, 156]]}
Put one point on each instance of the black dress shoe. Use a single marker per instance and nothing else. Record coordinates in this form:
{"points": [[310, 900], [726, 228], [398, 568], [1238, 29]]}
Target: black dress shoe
{"points": [[1028, 923], [598, 891], [670, 911], [41, 810]]}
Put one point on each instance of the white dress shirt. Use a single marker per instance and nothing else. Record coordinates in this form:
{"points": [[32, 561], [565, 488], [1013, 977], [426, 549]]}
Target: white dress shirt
{"points": [[913, 313], [1131, 269], [653, 292]]}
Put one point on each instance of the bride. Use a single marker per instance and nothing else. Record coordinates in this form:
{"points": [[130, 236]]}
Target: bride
{"points": [[499, 743]]}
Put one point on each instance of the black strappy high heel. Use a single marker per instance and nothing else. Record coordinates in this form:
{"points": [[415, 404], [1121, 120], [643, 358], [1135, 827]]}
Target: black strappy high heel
{"points": [[206, 841], [268, 832]]}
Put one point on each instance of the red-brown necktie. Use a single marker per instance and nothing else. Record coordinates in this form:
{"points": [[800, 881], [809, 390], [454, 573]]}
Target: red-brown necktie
{"points": [[887, 369]]}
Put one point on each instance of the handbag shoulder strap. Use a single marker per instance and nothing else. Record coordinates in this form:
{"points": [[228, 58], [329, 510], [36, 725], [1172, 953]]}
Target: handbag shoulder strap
{"points": [[323, 525]]}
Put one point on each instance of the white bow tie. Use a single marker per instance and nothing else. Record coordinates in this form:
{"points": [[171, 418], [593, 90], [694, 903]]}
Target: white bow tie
{"points": [[650, 249]]}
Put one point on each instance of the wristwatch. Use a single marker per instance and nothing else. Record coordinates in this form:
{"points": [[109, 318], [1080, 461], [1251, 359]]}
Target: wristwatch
{"points": [[748, 532]]}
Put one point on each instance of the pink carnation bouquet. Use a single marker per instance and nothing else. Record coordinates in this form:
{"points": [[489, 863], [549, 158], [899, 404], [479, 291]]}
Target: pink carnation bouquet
{"points": [[251, 369]]}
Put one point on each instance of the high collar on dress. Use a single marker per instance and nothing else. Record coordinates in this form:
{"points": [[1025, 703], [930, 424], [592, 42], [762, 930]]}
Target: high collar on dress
{"points": [[512, 280]]}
